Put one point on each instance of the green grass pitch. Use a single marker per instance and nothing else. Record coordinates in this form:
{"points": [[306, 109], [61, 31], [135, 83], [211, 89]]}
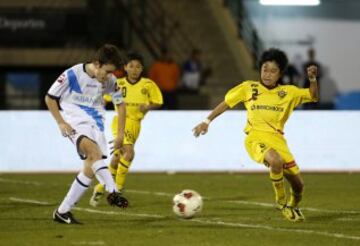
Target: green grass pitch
{"points": [[237, 211]]}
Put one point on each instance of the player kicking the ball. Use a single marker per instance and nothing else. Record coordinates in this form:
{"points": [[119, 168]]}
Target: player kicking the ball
{"points": [[80, 90], [140, 95], [269, 105]]}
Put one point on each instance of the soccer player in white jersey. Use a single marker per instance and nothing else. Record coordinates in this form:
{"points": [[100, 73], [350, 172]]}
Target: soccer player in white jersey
{"points": [[79, 90]]}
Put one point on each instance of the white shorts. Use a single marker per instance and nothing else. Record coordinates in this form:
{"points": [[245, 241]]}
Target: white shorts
{"points": [[91, 132]]}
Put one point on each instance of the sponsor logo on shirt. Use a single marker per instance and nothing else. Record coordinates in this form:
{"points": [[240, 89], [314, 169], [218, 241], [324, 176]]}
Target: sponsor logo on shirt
{"points": [[267, 107], [91, 85], [85, 100]]}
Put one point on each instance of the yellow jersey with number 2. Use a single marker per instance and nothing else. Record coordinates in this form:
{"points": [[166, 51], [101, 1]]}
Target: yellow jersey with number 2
{"points": [[267, 109]]}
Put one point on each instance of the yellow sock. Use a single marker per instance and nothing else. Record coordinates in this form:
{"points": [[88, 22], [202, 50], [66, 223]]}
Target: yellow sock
{"points": [[113, 171], [99, 188], [295, 199], [279, 187], [122, 170]]}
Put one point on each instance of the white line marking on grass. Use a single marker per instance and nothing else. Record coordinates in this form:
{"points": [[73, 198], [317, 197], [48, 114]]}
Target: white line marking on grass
{"points": [[20, 182], [208, 222], [95, 211], [150, 193], [171, 195], [271, 228], [348, 219], [16, 199], [262, 204], [88, 243], [89, 210], [303, 208], [209, 198]]}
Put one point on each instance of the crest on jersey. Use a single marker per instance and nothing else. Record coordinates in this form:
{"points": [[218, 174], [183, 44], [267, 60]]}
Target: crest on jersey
{"points": [[61, 78], [144, 91], [282, 94]]}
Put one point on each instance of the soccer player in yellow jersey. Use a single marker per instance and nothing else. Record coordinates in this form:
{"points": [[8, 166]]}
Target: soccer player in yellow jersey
{"points": [[269, 105], [140, 95]]}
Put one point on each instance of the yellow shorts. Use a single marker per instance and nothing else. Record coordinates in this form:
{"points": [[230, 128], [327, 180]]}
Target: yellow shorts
{"points": [[258, 143], [132, 130]]}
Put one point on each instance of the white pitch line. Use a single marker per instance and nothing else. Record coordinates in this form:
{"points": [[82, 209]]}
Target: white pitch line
{"points": [[89, 243], [302, 208], [262, 204], [95, 211], [208, 222], [16, 199], [171, 195], [271, 228], [150, 193], [2, 180]]}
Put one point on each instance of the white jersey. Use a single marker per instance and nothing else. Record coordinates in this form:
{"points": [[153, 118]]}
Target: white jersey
{"points": [[81, 96]]}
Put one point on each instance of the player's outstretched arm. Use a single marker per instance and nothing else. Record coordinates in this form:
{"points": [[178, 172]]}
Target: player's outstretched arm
{"points": [[312, 73], [65, 128], [203, 127]]}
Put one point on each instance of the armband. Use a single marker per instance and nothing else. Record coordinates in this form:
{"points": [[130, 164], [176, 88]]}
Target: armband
{"points": [[117, 98]]}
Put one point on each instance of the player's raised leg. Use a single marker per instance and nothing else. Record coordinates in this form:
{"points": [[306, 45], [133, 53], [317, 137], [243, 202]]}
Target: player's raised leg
{"points": [[102, 173], [99, 189], [93, 165]]}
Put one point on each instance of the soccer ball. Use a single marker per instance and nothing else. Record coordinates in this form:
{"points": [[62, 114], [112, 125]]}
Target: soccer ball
{"points": [[187, 203]]}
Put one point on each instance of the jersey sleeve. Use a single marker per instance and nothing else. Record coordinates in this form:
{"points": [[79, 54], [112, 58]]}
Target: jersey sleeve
{"points": [[155, 95], [60, 85], [301, 95], [236, 95]]}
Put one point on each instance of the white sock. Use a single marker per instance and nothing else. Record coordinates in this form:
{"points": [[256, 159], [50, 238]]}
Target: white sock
{"points": [[103, 174], [77, 189]]}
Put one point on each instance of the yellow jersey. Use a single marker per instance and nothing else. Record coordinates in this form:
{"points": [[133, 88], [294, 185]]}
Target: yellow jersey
{"points": [[267, 109], [144, 91]]}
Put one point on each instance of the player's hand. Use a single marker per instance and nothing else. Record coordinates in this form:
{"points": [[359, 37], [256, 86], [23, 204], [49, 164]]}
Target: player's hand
{"points": [[117, 144], [66, 129], [201, 128], [143, 108], [312, 72]]}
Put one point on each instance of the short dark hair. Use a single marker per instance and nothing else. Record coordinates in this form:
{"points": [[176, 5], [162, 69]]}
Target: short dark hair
{"points": [[132, 55], [109, 54], [276, 55]]}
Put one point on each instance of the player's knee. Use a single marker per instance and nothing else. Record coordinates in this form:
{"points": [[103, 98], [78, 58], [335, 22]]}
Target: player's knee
{"points": [[114, 164], [88, 171], [115, 160], [129, 154], [274, 160], [93, 156]]}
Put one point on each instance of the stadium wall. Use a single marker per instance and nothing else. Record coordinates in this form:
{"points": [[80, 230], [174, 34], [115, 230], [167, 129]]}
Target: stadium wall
{"points": [[320, 141]]}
